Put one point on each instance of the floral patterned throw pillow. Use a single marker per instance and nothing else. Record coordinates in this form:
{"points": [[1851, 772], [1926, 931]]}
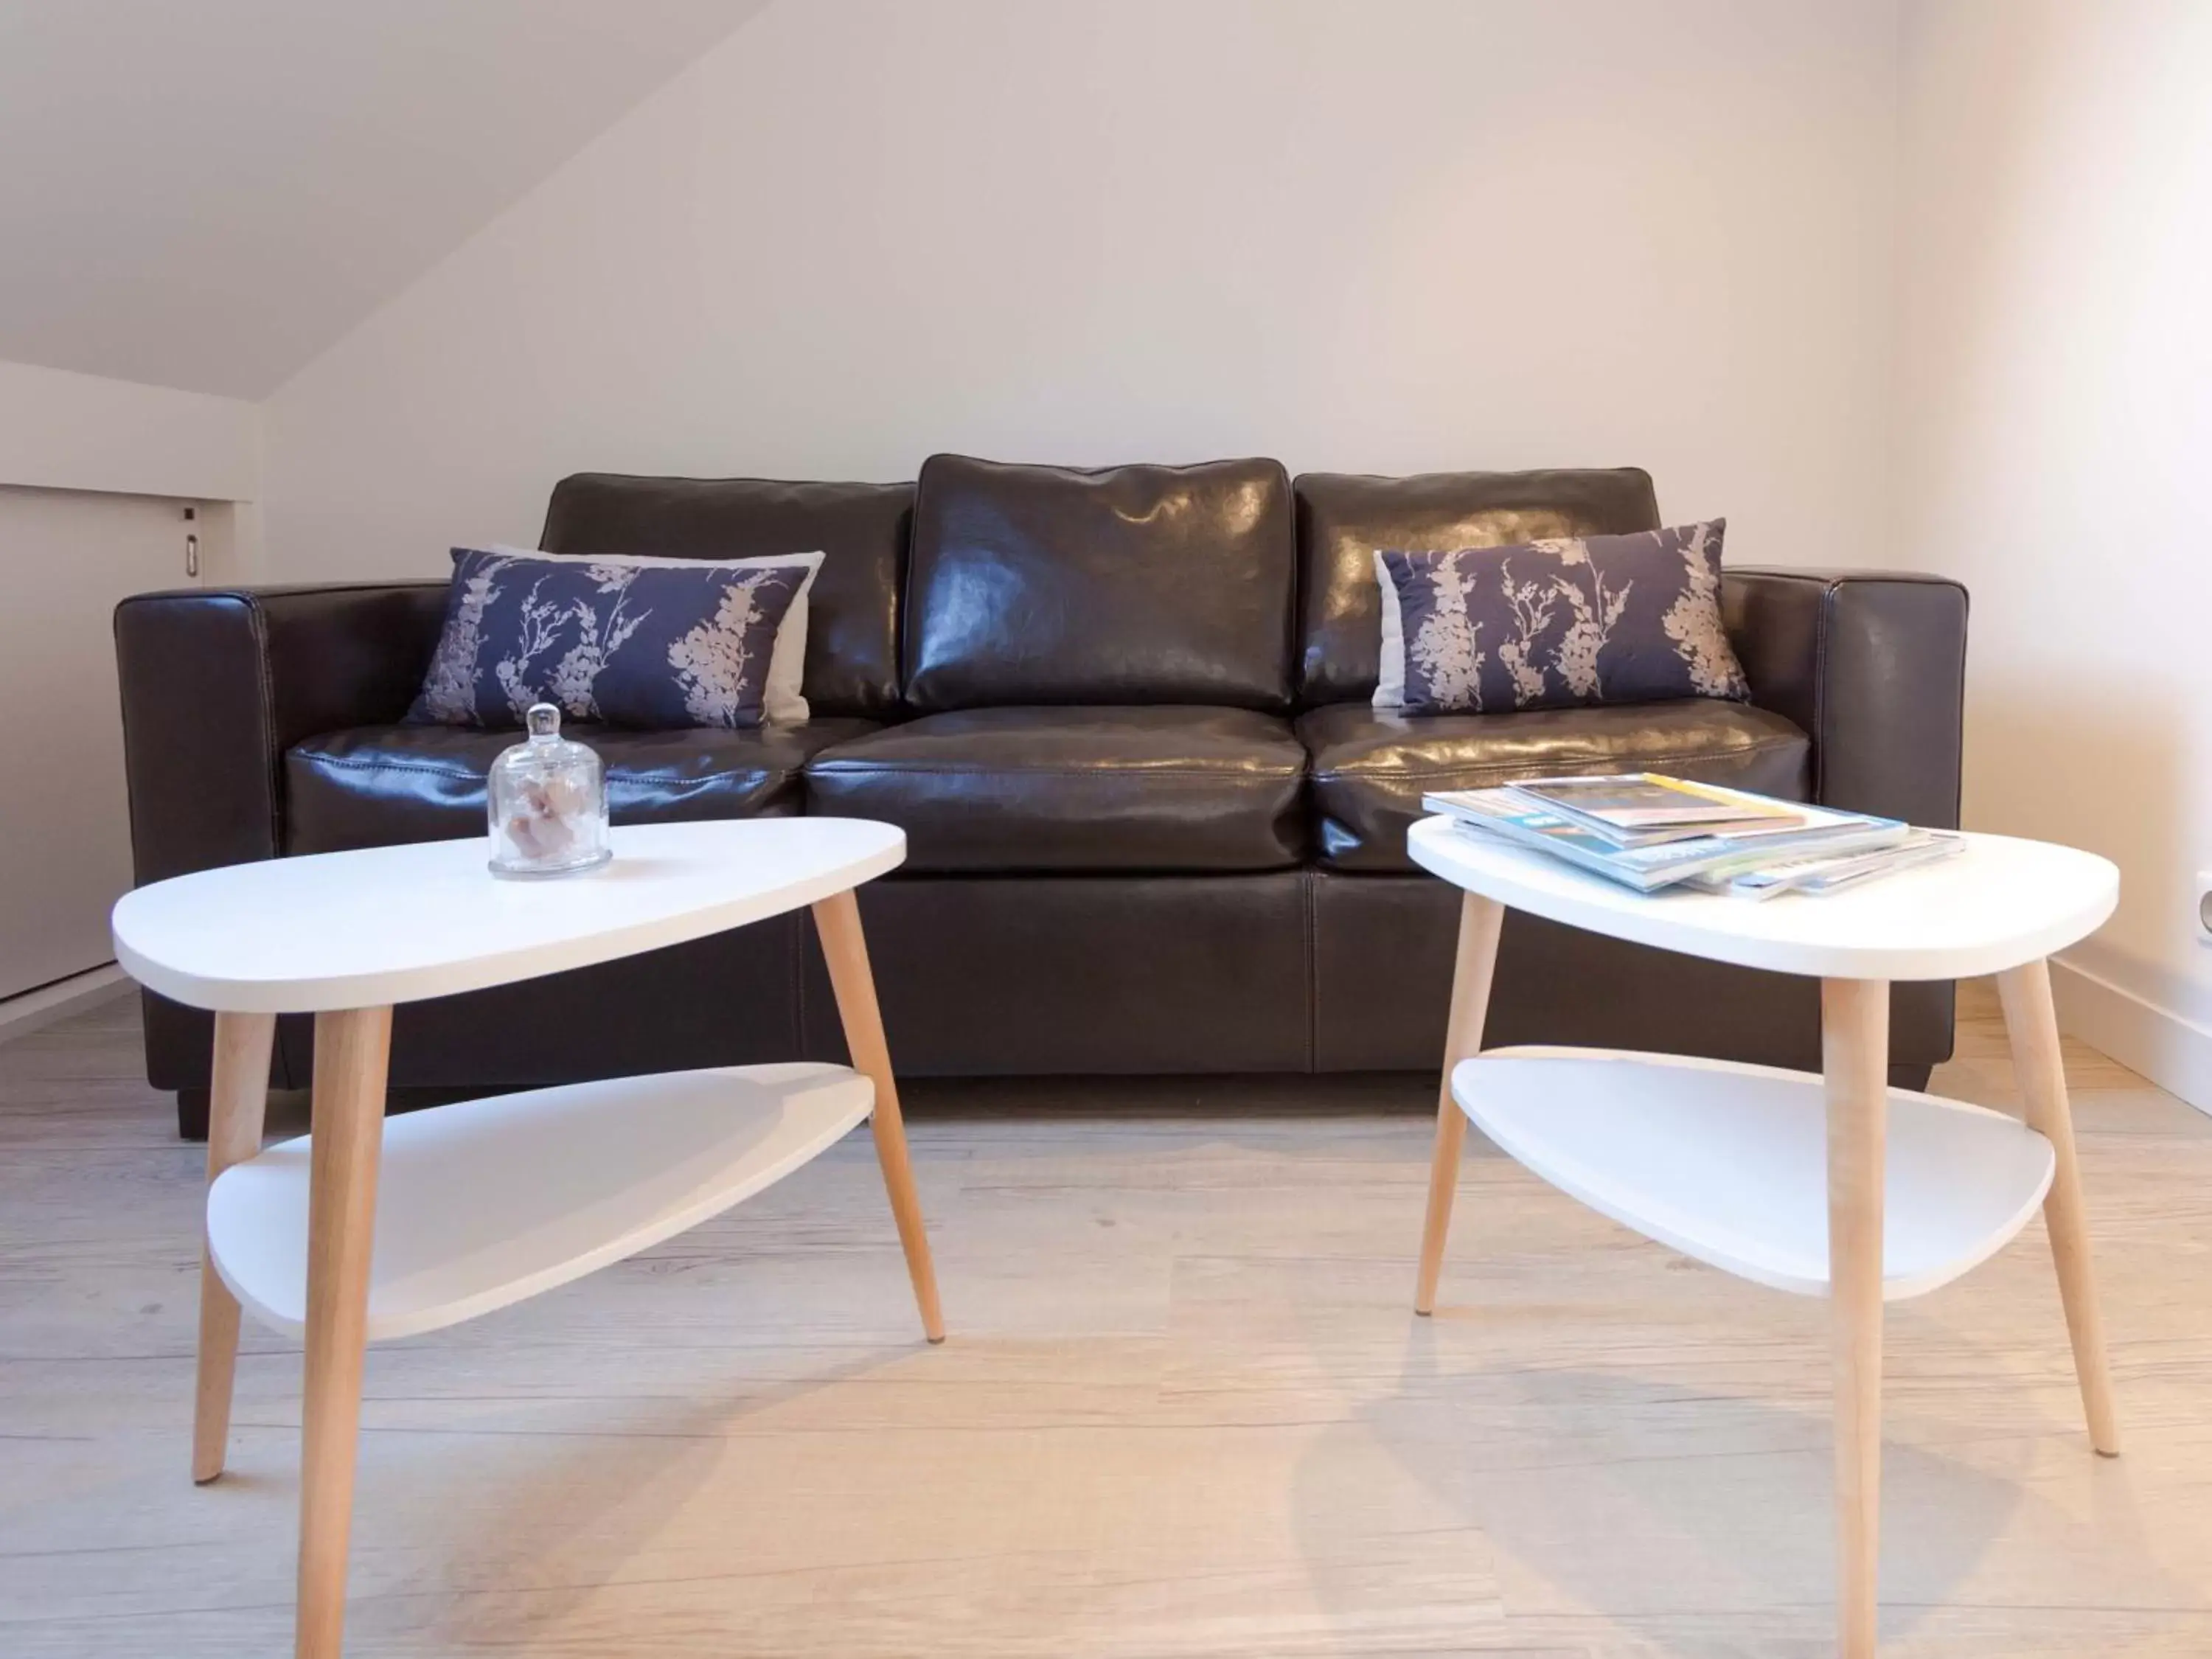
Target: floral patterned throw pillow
{"points": [[1556, 625], [657, 644]]}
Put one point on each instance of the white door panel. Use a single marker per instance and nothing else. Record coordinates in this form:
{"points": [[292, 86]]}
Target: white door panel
{"points": [[65, 559]]}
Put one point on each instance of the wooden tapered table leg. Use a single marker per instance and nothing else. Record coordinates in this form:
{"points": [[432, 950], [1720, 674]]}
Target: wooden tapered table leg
{"points": [[1855, 1061], [2031, 1026], [351, 1053], [837, 919], [238, 1102], [1480, 920]]}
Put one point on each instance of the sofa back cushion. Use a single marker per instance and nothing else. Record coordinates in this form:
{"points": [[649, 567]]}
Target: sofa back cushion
{"points": [[861, 529], [1344, 518], [1119, 585]]}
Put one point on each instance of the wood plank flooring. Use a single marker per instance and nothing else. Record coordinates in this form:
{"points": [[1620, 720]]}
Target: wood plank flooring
{"points": [[1185, 1409]]}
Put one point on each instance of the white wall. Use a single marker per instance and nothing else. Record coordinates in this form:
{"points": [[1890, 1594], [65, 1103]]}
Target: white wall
{"points": [[205, 195], [95, 475], [64, 431], [2055, 428], [1400, 234], [65, 823]]}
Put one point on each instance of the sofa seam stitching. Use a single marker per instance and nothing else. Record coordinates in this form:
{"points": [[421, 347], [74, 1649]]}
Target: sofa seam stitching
{"points": [[437, 769], [1104, 774], [1312, 977], [1499, 767]]}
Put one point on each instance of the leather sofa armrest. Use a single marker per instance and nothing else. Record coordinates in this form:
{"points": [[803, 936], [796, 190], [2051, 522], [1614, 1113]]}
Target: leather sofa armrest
{"points": [[218, 683], [1871, 665]]}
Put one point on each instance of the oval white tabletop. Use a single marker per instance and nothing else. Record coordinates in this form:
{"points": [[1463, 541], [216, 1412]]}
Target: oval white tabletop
{"points": [[2000, 903], [398, 924]]}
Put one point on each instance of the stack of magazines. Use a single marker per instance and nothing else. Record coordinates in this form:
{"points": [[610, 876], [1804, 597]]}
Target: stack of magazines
{"points": [[1648, 831]]}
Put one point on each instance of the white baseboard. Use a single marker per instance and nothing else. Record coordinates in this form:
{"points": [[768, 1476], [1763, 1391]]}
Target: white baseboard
{"points": [[21, 1015], [2174, 1053]]}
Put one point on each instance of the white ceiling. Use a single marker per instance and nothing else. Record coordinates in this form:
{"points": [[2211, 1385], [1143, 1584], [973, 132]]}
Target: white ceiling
{"points": [[205, 193]]}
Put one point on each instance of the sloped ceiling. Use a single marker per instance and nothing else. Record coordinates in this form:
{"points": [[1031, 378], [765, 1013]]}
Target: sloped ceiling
{"points": [[204, 194]]}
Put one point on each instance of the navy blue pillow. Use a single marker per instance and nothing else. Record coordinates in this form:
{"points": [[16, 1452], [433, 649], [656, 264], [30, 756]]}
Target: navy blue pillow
{"points": [[1556, 625], [657, 645]]}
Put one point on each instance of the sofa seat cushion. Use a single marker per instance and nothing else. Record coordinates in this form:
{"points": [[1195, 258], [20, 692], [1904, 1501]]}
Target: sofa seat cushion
{"points": [[1162, 788], [374, 786], [1370, 767]]}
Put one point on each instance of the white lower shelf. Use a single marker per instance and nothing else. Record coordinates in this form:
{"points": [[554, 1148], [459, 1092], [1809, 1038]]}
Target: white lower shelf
{"points": [[1728, 1163], [483, 1203]]}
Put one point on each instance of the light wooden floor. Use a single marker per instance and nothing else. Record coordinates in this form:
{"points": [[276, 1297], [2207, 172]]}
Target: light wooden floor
{"points": [[1184, 1410]]}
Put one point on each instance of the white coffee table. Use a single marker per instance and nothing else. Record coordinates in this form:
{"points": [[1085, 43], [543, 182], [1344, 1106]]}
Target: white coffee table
{"points": [[479, 1204], [1836, 1185]]}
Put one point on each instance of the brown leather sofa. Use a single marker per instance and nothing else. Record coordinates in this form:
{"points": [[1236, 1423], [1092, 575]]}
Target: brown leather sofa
{"points": [[1153, 825]]}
